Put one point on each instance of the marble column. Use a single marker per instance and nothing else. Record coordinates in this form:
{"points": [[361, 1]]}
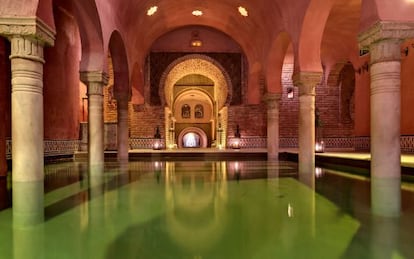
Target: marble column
{"points": [[384, 42], [28, 36], [307, 81], [272, 100], [95, 81], [122, 128]]}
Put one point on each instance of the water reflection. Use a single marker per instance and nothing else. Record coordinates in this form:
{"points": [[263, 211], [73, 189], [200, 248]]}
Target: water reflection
{"points": [[201, 209], [5, 195], [28, 242], [28, 204], [195, 196]]}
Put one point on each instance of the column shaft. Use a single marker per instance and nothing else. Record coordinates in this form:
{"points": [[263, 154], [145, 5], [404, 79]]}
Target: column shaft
{"points": [[385, 127], [27, 109], [306, 133], [307, 82], [273, 126], [27, 131], [95, 80], [96, 124], [122, 131]]}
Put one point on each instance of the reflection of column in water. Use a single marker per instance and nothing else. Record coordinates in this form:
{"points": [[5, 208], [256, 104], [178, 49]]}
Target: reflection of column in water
{"points": [[28, 204], [4, 196], [386, 196], [272, 168], [95, 209], [28, 242], [384, 237], [308, 179]]}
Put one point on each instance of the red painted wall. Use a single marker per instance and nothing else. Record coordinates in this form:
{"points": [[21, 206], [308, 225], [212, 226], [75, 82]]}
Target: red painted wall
{"points": [[61, 81], [407, 90], [362, 100], [5, 97]]}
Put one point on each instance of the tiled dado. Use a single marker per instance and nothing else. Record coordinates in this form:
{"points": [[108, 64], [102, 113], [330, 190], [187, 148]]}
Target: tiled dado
{"points": [[68, 147], [361, 144], [249, 142], [144, 143], [51, 147]]}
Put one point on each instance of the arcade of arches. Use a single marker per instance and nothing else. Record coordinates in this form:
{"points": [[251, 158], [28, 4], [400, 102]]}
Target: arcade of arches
{"points": [[97, 74]]}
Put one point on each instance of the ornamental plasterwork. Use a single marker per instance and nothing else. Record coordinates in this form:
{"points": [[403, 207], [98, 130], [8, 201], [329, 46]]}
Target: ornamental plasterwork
{"points": [[196, 64], [31, 27]]}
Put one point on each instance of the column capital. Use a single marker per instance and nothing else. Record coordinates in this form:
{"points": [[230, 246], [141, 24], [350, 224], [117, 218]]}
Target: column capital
{"points": [[307, 81], [383, 30], [88, 77], [30, 28], [27, 48], [272, 100]]}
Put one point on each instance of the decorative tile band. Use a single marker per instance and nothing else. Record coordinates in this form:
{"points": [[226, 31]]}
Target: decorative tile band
{"points": [[51, 147], [60, 147], [144, 143], [68, 147], [249, 142]]}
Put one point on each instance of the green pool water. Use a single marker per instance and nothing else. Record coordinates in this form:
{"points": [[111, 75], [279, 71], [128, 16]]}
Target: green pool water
{"points": [[201, 209]]}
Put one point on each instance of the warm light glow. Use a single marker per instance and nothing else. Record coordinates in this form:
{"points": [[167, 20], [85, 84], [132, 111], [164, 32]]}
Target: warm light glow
{"points": [[290, 93], [197, 13], [318, 172], [196, 43], [191, 139], [290, 211], [243, 11], [157, 144], [320, 147], [152, 10], [236, 143]]}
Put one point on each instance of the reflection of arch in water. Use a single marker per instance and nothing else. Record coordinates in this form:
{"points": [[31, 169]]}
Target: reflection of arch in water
{"points": [[195, 204], [192, 137]]}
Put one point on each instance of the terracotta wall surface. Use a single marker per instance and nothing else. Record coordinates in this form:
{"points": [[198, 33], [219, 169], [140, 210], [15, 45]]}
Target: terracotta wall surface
{"points": [[362, 99], [61, 82], [5, 88], [407, 90], [5, 109]]}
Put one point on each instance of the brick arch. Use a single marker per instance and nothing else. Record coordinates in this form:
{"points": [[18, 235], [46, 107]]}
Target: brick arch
{"points": [[196, 64], [277, 55], [120, 65], [308, 56]]}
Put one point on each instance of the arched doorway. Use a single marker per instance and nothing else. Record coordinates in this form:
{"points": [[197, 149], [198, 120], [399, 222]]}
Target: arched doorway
{"points": [[192, 137], [196, 91]]}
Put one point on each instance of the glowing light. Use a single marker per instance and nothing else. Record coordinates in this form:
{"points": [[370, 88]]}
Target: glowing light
{"points": [[197, 13], [318, 172], [191, 140], [243, 11], [320, 147], [290, 211], [152, 10]]}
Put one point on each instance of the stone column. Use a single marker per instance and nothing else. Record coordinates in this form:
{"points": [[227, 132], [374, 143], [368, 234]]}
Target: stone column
{"points": [[383, 40], [95, 80], [28, 37], [307, 81], [272, 100], [122, 131]]}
